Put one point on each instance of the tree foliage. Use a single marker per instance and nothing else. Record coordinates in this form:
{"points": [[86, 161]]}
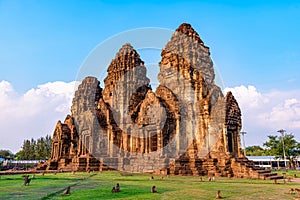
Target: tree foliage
{"points": [[39, 149], [255, 151], [6, 154], [274, 146]]}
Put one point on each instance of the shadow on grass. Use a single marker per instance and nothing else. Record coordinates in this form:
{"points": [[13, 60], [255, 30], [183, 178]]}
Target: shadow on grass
{"points": [[59, 192], [92, 190], [135, 192]]}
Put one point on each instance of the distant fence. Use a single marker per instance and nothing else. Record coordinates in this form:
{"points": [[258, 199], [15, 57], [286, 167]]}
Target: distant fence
{"points": [[19, 164]]}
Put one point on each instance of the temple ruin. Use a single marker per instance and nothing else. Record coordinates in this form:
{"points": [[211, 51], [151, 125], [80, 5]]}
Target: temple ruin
{"points": [[186, 126]]}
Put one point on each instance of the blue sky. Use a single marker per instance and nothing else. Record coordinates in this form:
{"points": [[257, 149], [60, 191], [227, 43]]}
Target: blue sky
{"points": [[252, 43], [256, 43]]}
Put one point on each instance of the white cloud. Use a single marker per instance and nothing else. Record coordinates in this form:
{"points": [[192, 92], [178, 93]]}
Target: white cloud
{"points": [[264, 113], [287, 112], [248, 97], [34, 113]]}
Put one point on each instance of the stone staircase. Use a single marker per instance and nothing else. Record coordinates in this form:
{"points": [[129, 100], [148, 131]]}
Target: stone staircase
{"points": [[242, 167], [233, 167], [188, 163], [42, 166]]}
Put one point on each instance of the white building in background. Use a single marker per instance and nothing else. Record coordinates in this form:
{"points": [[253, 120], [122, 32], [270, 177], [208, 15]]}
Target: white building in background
{"points": [[272, 161]]}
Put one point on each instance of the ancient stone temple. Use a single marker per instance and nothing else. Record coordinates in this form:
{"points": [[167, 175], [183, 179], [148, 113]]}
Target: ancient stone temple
{"points": [[186, 126]]}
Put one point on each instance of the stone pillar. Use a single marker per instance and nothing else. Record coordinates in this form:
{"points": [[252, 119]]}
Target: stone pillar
{"points": [[232, 142], [236, 135], [79, 146], [110, 141], [128, 143], [55, 151], [177, 132], [225, 141], [60, 149], [147, 142], [239, 152], [89, 145], [143, 142], [136, 145], [83, 145], [131, 144], [124, 136], [159, 139], [190, 129]]}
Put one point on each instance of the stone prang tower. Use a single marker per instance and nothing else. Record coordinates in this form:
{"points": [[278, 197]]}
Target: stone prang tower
{"points": [[186, 126]]}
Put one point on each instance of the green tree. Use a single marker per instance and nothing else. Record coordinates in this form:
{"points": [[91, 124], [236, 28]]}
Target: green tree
{"points": [[25, 154], [39, 149], [33, 148], [6, 154], [20, 155], [274, 147], [48, 145], [255, 151]]}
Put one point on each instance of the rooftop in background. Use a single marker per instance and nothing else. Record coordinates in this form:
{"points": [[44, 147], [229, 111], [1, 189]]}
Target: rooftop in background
{"points": [[264, 158]]}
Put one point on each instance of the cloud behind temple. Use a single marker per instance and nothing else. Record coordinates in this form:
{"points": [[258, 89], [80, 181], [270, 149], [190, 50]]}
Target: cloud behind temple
{"points": [[264, 113], [32, 114]]}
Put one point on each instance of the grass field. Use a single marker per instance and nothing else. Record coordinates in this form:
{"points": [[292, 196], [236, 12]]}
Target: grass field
{"points": [[138, 186]]}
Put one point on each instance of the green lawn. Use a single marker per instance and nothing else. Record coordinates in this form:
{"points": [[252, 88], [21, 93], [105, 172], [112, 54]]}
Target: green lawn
{"points": [[138, 186]]}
